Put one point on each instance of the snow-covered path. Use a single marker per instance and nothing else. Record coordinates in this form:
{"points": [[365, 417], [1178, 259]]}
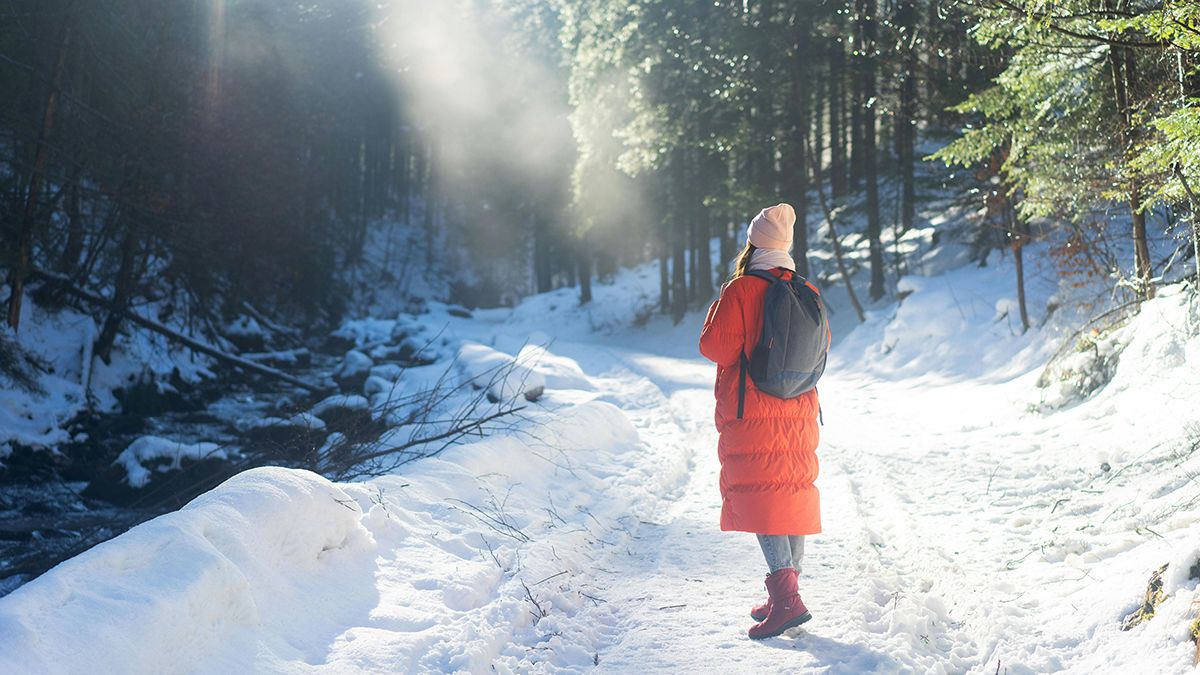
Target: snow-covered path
{"points": [[683, 588], [962, 531]]}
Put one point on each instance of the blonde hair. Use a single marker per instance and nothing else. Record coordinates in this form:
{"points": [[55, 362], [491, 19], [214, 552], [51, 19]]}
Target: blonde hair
{"points": [[742, 264]]}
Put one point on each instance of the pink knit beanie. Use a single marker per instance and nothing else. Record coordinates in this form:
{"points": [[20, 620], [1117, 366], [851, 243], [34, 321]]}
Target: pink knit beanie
{"points": [[772, 227]]}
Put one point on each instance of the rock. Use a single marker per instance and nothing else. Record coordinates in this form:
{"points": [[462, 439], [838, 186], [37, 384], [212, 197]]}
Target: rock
{"points": [[504, 377], [149, 398], [175, 488], [339, 341], [352, 372], [154, 470], [294, 437], [411, 351], [377, 385], [246, 334], [347, 414], [388, 371]]}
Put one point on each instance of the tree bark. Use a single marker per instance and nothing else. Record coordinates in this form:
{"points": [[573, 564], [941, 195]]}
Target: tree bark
{"points": [[1121, 64], [1020, 231], [119, 305], [679, 298], [69, 260], [541, 250], [866, 34], [837, 126], [23, 264], [583, 258], [835, 242], [906, 131], [799, 183]]}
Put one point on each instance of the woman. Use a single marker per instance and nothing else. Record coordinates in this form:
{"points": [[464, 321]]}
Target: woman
{"points": [[768, 453]]}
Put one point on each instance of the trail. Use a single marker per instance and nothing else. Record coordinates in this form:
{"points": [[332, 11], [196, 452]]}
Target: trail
{"points": [[962, 531], [683, 589]]}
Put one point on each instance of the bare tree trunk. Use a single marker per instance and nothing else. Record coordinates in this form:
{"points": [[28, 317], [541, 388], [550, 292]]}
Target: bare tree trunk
{"points": [[865, 33], [679, 299], [24, 259], [189, 342], [1194, 203], [126, 278], [1020, 233], [906, 131], [583, 258], [541, 250], [833, 239], [799, 183], [432, 197], [1121, 64], [837, 126], [706, 175], [69, 260]]}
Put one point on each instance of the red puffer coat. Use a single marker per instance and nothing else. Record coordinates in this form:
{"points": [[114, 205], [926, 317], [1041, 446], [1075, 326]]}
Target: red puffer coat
{"points": [[768, 458]]}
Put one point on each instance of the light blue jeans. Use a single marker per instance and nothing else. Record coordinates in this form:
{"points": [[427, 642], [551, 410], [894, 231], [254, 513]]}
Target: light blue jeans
{"points": [[782, 550]]}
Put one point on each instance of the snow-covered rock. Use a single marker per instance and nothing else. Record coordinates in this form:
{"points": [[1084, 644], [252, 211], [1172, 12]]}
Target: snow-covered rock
{"points": [[302, 420], [245, 333], [375, 385], [352, 371], [388, 371], [337, 403], [168, 455], [504, 377], [298, 430], [343, 412]]}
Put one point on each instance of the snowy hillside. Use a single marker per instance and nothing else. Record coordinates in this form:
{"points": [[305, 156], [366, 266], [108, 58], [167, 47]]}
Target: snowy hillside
{"points": [[974, 520]]}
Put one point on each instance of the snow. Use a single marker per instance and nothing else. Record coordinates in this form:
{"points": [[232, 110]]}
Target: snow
{"points": [[339, 402], [301, 420], [354, 363], [72, 381], [244, 326], [968, 527], [506, 378], [148, 448]]}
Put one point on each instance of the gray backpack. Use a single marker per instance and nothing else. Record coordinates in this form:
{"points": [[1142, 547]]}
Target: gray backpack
{"points": [[790, 355]]}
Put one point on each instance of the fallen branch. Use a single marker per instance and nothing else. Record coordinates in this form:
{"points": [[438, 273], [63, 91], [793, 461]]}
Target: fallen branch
{"points": [[190, 343]]}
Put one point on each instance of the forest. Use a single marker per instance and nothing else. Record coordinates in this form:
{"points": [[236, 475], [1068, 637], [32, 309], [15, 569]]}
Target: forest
{"points": [[209, 154]]}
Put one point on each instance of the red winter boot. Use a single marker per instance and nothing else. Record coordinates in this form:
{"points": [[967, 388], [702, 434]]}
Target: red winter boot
{"points": [[785, 608], [759, 613]]}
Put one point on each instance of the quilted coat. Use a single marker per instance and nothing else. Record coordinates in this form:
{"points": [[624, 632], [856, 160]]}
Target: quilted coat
{"points": [[768, 458]]}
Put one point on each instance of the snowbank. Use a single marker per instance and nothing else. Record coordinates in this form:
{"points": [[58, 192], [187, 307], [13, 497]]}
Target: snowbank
{"points": [[187, 589], [280, 570], [506, 378]]}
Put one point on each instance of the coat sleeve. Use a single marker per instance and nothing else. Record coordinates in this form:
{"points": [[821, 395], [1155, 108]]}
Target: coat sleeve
{"points": [[723, 336]]}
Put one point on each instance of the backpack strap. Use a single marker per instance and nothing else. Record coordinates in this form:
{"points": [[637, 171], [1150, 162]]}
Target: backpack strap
{"points": [[763, 274], [744, 363]]}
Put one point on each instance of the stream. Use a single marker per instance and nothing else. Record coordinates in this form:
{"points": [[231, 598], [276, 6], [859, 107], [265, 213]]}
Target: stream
{"points": [[53, 511]]}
